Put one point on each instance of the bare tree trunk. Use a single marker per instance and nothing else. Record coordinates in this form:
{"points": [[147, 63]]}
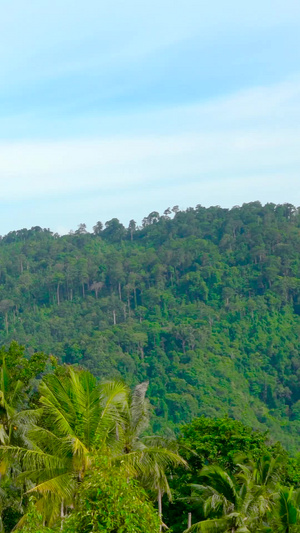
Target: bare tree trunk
{"points": [[62, 514], [159, 501], [114, 315], [135, 298], [141, 351], [189, 520], [57, 294], [128, 303], [6, 323], [120, 292]]}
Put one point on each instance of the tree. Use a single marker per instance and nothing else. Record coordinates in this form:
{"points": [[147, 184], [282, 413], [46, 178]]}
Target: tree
{"points": [[78, 416], [98, 228], [15, 419], [152, 218], [132, 228], [218, 442], [32, 522], [96, 286], [225, 281], [235, 503], [81, 229], [221, 440], [80, 419], [285, 518], [5, 306], [110, 501], [149, 456], [114, 231]]}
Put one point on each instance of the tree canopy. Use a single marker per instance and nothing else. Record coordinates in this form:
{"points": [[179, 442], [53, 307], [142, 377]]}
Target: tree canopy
{"points": [[203, 303], [78, 455]]}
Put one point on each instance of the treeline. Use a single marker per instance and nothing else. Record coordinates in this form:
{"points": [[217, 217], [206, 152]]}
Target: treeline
{"points": [[203, 303], [77, 455]]}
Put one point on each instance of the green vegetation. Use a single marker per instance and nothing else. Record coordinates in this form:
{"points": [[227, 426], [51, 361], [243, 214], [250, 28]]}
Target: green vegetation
{"points": [[191, 319], [240, 502], [223, 443], [77, 455], [75, 442], [110, 502], [204, 304]]}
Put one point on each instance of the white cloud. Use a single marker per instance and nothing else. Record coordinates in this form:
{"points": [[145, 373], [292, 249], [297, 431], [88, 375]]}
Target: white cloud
{"points": [[227, 151], [37, 169], [243, 133]]}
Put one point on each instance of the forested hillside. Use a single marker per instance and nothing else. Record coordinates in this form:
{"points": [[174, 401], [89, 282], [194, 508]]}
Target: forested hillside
{"points": [[203, 303]]}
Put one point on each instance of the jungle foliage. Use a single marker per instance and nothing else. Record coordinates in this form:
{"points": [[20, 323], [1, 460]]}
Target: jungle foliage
{"points": [[203, 303], [77, 455]]}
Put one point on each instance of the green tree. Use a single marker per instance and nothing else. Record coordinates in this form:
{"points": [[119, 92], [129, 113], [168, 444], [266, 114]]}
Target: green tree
{"points": [[285, 518], [78, 416], [150, 456], [15, 419], [236, 503], [111, 502]]}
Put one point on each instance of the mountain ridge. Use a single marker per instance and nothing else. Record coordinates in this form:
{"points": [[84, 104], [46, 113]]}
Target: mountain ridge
{"points": [[203, 303]]}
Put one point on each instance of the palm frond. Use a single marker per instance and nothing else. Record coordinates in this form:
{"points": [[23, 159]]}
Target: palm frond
{"points": [[218, 525], [220, 481], [287, 510], [61, 486], [31, 459], [139, 409]]}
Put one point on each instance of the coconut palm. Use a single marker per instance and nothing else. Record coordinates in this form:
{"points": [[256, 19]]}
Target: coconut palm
{"points": [[288, 511], [148, 457], [78, 419], [12, 416], [286, 516], [224, 502], [236, 503], [13, 421]]}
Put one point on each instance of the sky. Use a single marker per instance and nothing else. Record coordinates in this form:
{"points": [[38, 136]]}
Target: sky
{"points": [[119, 109]]}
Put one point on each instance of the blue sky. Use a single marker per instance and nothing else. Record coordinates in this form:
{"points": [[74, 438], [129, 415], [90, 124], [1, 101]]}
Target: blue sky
{"points": [[122, 109]]}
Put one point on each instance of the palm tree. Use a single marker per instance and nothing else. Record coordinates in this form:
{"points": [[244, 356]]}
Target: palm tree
{"points": [[13, 421], [147, 457], [78, 419], [286, 516], [224, 503], [12, 417], [239, 502]]}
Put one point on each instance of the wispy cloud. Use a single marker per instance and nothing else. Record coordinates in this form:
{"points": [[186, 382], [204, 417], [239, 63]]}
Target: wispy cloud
{"points": [[227, 151], [118, 110]]}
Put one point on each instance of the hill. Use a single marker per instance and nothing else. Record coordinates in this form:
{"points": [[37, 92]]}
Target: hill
{"points": [[203, 303]]}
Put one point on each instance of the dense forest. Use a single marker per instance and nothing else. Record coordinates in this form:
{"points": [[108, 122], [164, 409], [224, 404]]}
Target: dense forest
{"points": [[203, 303], [78, 455]]}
